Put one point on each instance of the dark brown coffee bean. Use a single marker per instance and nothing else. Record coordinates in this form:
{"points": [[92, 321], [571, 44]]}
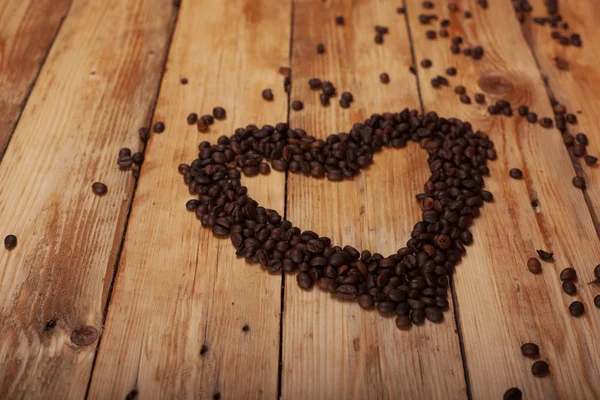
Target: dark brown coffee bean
{"points": [[468, 14], [540, 368], [582, 138], [569, 287], [381, 29], [184, 81], [10, 242], [546, 122], [297, 105], [208, 119], [366, 301], [523, 111], [579, 182], [324, 99], [99, 188], [339, 20], [532, 117], [544, 255], [192, 118], [219, 113], [144, 134], [346, 292], [530, 350], [320, 48], [597, 271], [384, 78], [534, 266], [138, 158], [202, 125], [386, 307], [576, 309], [590, 160], [451, 71], [267, 94], [400, 10], [430, 34], [597, 301], [347, 96], [460, 90], [465, 99], [315, 83], [477, 52], [568, 274], [443, 33], [427, 4], [379, 38], [426, 63], [513, 394], [304, 280], [264, 168], [516, 173], [434, 314], [159, 127], [479, 98], [571, 118], [403, 322]]}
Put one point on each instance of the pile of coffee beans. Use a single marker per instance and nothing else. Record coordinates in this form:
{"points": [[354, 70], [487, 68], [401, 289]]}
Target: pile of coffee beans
{"points": [[412, 283]]}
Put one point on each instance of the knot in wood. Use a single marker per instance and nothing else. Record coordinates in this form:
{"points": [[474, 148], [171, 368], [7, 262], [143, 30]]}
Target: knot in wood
{"points": [[84, 336], [495, 83]]}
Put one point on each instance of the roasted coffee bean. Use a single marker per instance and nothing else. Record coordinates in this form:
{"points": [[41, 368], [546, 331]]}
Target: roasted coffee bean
{"points": [[99, 188], [346, 292], [544, 255], [568, 274], [590, 160], [144, 134], [264, 168], [267, 94], [426, 63], [494, 109], [379, 38], [10, 242], [513, 394], [159, 127], [427, 4], [297, 105], [366, 301], [138, 158], [403, 322], [451, 71], [532, 117], [184, 81], [468, 14], [386, 307], [477, 52], [219, 113], [221, 226], [515, 173], [597, 271], [192, 118], [384, 78], [571, 118], [540, 368], [579, 182], [465, 99], [546, 122], [582, 138], [444, 33], [523, 111], [530, 350], [534, 266], [339, 20], [315, 83], [434, 314], [576, 309], [400, 10], [324, 99], [569, 287], [479, 98], [460, 90], [202, 125], [597, 301], [381, 29], [430, 34], [304, 280], [320, 48]]}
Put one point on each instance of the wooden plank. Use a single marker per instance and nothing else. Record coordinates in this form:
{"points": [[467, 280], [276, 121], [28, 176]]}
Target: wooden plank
{"points": [[333, 349], [178, 287], [27, 29], [90, 99], [574, 88], [501, 304]]}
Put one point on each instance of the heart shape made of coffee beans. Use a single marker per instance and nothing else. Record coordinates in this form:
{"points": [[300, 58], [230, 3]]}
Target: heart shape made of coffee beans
{"points": [[413, 283]]}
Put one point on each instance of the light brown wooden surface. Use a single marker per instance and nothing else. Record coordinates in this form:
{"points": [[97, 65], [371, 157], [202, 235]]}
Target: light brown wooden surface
{"points": [[89, 100], [575, 88], [501, 304], [178, 287], [332, 349], [27, 29]]}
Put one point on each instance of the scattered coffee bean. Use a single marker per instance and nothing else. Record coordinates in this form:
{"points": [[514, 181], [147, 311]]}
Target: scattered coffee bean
{"points": [[479, 98], [532, 117], [569, 287], [347, 96], [219, 113], [530, 350], [144, 134], [568, 274], [544, 255], [324, 99], [571, 118], [320, 48], [383, 30], [400, 10], [540, 368], [339, 20], [159, 127], [427, 4], [516, 173], [460, 90], [245, 328], [344, 103], [443, 33], [267, 94], [451, 71], [403, 322], [192, 118], [430, 34], [534, 265], [582, 138], [561, 63], [547, 122], [184, 81], [426, 63], [202, 125], [468, 14], [99, 188], [384, 78], [597, 271], [10, 242], [523, 111], [494, 109], [304, 280], [576, 309], [465, 99], [138, 158], [379, 38], [297, 105], [513, 394], [579, 182], [315, 83], [208, 119], [590, 160]]}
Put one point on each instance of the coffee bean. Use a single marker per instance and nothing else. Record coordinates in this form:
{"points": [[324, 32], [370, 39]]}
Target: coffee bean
{"points": [[465, 99], [569, 287], [324, 99], [576, 309], [513, 394], [571, 118], [159, 127], [10, 242], [208, 119], [468, 14], [451, 71], [523, 111], [366, 301], [221, 226], [477, 52], [383, 30], [320, 48], [219, 113], [540, 368], [297, 105], [403, 322], [434, 314], [426, 63], [427, 4], [386, 307], [515, 173], [144, 134], [379, 38], [479, 98], [546, 122], [347, 96], [304, 280], [530, 350], [431, 34], [597, 301], [544, 255], [597, 271], [346, 292], [532, 117], [138, 158], [384, 78], [192, 118], [202, 125], [534, 266], [460, 90], [267, 94], [494, 109], [444, 33], [590, 160], [579, 182], [344, 103], [315, 83], [99, 188], [453, 7], [339, 20], [582, 138], [568, 274]]}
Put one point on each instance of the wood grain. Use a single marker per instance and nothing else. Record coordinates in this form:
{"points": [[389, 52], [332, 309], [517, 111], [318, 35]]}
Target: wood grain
{"points": [[333, 349], [501, 304], [575, 88], [178, 287], [27, 29], [90, 98]]}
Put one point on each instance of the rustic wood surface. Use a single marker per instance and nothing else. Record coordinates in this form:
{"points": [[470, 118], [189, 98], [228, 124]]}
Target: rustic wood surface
{"points": [[148, 303]]}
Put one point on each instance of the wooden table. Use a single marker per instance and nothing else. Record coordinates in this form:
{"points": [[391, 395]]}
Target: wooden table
{"points": [[125, 294]]}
